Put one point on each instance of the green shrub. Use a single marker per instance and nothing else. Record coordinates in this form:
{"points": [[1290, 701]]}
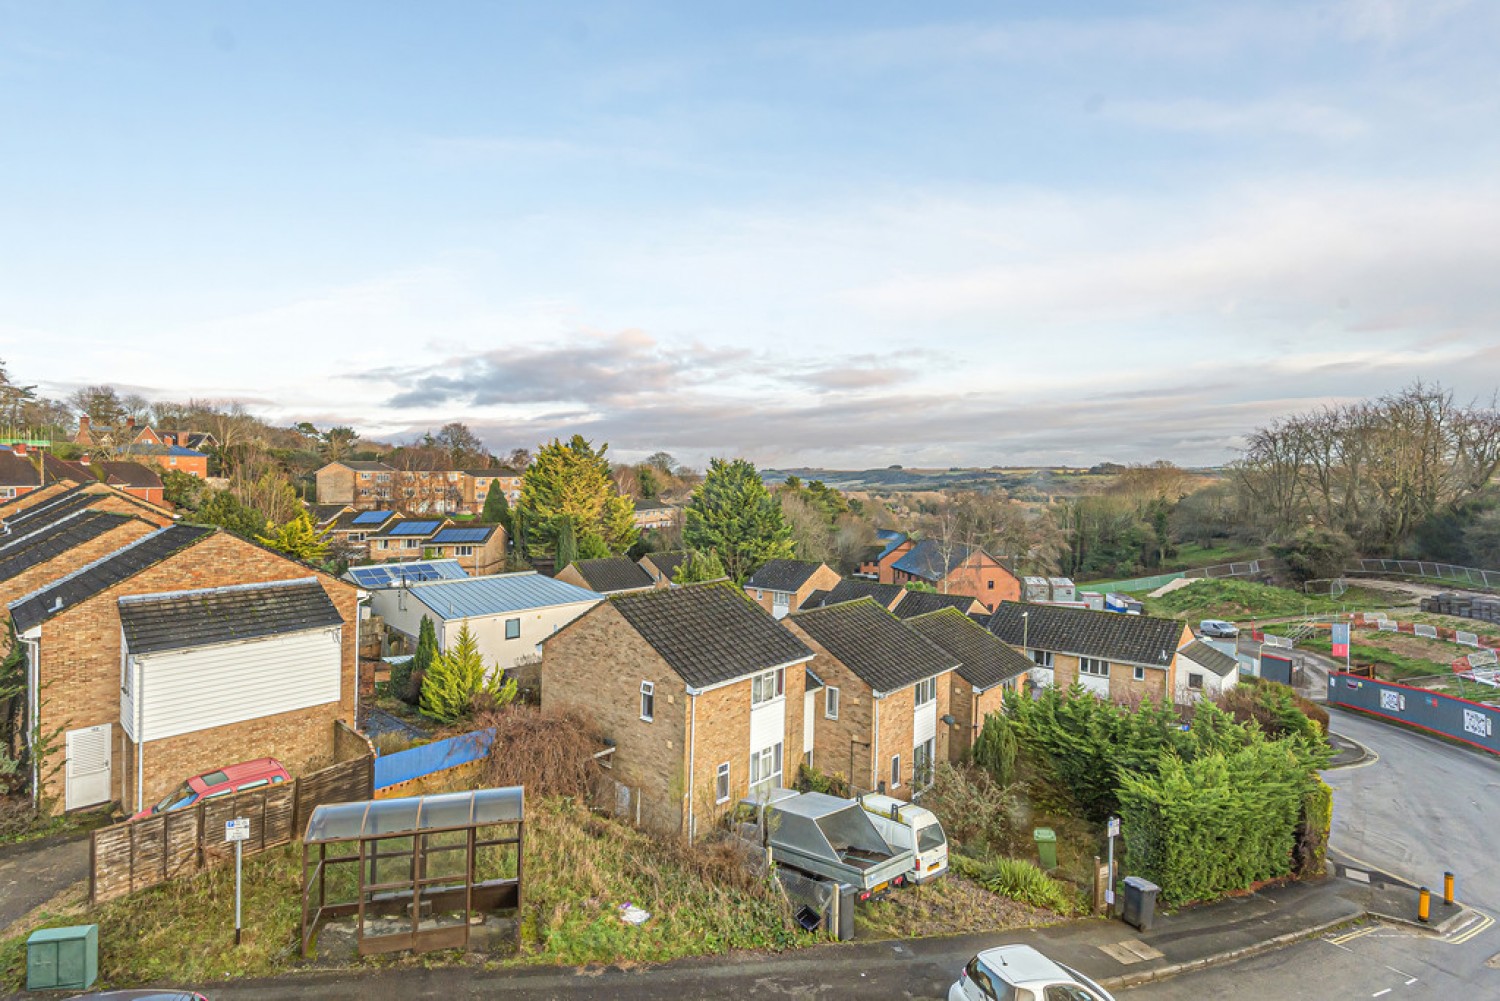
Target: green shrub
{"points": [[1017, 879], [995, 748], [809, 779], [1311, 853]]}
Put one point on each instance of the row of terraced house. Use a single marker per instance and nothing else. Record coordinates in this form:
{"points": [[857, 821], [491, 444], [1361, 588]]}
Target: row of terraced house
{"points": [[710, 692]]}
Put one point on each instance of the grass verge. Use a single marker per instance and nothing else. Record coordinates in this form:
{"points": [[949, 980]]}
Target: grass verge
{"points": [[1244, 601], [949, 905]]}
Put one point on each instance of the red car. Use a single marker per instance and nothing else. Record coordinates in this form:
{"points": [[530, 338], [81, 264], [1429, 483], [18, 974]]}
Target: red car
{"points": [[221, 782]]}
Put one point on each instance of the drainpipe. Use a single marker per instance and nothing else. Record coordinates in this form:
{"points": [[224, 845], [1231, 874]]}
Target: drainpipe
{"points": [[692, 753], [875, 746], [33, 712], [140, 742]]}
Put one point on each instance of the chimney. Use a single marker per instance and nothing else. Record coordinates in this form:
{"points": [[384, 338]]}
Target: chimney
{"points": [[130, 422], [83, 423]]}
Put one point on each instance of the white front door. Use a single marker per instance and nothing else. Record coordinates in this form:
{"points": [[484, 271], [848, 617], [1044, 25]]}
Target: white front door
{"points": [[87, 772]]}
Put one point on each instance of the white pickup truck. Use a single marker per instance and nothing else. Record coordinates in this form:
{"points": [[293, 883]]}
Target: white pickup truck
{"points": [[911, 828]]}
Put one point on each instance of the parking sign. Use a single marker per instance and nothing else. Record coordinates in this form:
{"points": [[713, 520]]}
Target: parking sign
{"points": [[237, 829]]}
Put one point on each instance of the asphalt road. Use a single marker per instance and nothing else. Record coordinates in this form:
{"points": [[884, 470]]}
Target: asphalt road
{"points": [[1422, 807]]}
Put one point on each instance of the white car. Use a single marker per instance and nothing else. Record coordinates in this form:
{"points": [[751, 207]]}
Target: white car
{"points": [[1218, 628], [1020, 973]]}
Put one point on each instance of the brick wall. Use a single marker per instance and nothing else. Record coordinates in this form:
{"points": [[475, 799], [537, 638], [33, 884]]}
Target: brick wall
{"points": [[597, 665], [841, 746], [825, 578], [80, 655], [969, 710], [1124, 688], [303, 741], [984, 578], [335, 485]]}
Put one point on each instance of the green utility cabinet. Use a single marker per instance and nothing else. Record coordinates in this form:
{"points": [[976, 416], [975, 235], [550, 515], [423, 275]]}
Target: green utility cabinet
{"points": [[62, 958]]}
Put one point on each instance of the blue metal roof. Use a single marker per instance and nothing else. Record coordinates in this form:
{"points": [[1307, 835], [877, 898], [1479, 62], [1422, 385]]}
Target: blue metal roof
{"points": [[494, 595], [891, 539], [415, 528], [449, 536], [370, 517], [395, 574]]}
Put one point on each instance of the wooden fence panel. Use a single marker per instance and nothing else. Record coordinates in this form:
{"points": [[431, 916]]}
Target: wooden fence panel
{"points": [[141, 853]]}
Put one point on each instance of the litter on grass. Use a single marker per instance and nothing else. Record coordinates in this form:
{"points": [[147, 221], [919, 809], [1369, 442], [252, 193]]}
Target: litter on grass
{"points": [[633, 915]]}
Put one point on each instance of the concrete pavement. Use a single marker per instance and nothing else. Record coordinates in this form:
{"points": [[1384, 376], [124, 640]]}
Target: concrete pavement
{"points": [[32, 874]]}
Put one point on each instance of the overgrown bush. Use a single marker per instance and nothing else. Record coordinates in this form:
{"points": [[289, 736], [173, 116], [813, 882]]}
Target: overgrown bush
{"points": [[1017, 879], [979, 816], [549, 751], [809, 779], [1277, 708], [1310, 855]]}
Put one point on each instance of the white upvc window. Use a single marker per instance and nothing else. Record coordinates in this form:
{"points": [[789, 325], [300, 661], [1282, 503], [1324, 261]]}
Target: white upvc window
{"points": [[463, 550], [648, 701], [721, 784], [512, 629], [766, 686], [1042, 658], [765, 766], [1139, 674], [921, 762], [780, 599], [1093, 666], [831, 703], [926, 691], [895, 771]]}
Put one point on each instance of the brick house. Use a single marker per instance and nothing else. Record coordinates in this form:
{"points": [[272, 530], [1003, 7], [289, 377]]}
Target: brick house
{"points": [[914, 603], [663, 566], [781, 586], [17, 474], [126, 433], [362, 485], [655, 515], [987, 669], [478, 483], [480, 549], [365, 485], [133, 478], [187, 649], [700, 691], [890, 547], [1117, 657], [885, 715], [614, 575], [351, 529], [170, 457], [402, 538], [957, 569]]}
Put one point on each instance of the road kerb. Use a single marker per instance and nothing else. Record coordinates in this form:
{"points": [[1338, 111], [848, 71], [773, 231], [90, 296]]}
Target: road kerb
{"points": [[1233, 955]]}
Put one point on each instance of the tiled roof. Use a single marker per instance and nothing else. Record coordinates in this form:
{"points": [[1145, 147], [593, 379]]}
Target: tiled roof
{"points": [[184, 619], [22, 552], [613, 574], [710, 633], [814, 599], [494, 471], [497, 594], [1211, 658], [854, 588], [652, 505], [130, 474], [322, 514], [928, 560], [47, 511], [914, 603], [54, 468], [16, 471], [145, 448], [1132, 639], [666, 563], [983, 660], [884, 652], [362, 466], [783, 575], [350, 521], [35, 608]]}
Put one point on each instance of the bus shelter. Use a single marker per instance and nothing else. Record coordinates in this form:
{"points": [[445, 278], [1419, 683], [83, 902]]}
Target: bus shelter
{"points": [[414, 870]]}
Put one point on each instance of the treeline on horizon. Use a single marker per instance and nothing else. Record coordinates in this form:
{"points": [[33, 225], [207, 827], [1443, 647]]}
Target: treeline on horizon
{"points": [[1406, 474]]}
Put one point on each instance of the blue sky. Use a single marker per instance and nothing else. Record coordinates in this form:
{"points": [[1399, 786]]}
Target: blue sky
{"points": [[853, 235]]}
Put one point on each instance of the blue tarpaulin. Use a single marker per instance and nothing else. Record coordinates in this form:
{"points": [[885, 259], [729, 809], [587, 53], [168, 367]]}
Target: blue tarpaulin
{"points": [[440, 755]]}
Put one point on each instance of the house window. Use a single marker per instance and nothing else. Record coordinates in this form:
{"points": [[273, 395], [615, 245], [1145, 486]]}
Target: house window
{"points": [[721, 784], [989, 585], [926, 691], [7, 492], [381, 543], [765, 766], [780, 599], [1195, 682], [1139, 674], [648, 701], [921, 763], [831, 703], [895, 771], [767, 686], [1043, 658], [356, 536], [172, 461], [463, 550], [512, 629], [1093, 667], [759, 594], [364, 476]]}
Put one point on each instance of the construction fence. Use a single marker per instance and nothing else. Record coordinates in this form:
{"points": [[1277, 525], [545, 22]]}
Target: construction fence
{"points": [[1472, 723]]}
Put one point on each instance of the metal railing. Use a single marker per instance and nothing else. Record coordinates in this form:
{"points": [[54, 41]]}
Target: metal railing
{"points": [[1473, 576]]}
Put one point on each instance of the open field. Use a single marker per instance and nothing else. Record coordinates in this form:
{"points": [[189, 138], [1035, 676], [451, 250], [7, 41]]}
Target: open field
{"points": [[1246, 601]]}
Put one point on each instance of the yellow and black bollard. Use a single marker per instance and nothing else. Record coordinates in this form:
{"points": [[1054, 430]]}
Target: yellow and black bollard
{"points": [[1424, 903], [1448, 888]]}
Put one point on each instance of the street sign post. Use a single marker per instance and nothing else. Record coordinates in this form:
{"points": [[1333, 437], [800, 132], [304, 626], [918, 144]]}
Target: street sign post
{"points": [[1109, 886], [1340, 640], [238, 832]]}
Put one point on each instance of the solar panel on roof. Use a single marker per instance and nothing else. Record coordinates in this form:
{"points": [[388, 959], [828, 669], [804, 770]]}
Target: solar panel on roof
{"points": [[414, 528], [448, 535], [410, 573], [371, 517]]}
